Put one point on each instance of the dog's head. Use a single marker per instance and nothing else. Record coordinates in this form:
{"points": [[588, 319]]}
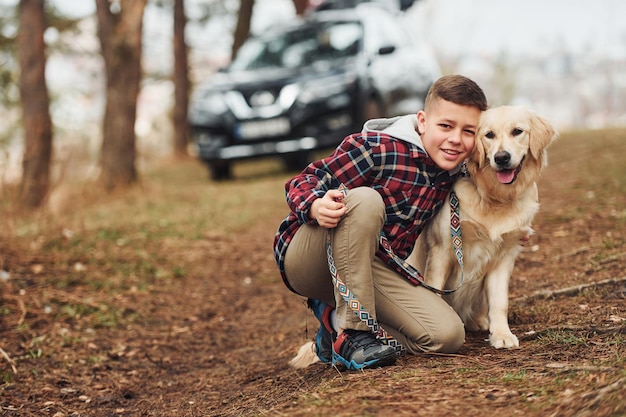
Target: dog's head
{"points": [[510, 138]]}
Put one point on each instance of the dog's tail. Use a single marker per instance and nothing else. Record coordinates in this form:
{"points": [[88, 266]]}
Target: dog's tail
{"points": [[306, 356]]}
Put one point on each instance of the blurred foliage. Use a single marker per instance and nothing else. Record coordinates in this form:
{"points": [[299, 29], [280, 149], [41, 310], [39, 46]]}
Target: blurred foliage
{"points": [[202, 11], [9, 62], [60, 39], [504, 75]]}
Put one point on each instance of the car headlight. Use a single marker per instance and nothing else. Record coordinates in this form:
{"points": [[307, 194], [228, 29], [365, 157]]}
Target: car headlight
{"points": [[326, 87], [208, 104]]}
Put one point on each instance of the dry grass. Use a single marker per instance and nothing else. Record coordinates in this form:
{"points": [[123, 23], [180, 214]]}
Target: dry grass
{"points": [[164, 300]]}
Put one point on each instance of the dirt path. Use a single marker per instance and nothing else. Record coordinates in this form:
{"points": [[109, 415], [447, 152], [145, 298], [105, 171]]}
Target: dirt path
{"points": [[215, 341]]}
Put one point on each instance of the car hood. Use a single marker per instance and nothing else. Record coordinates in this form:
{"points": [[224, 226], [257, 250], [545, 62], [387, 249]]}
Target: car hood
{"points": [[225, 81]]}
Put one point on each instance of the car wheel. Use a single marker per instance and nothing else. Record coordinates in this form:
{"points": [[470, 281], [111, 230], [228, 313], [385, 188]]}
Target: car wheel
{"points": [[296, 161], [220, 170]]}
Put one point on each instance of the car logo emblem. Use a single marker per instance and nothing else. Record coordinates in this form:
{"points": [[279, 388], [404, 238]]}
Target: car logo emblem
{"points": [[262, 98]]}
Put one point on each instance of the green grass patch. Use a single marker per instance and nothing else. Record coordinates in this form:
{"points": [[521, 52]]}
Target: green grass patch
{"points": [[563, 338]]}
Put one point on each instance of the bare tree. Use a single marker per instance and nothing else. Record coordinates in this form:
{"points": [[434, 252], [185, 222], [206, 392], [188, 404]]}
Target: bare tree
{"points": [[35, 104], [120, 30], [242, 31], [300, 6], [181, 80]]}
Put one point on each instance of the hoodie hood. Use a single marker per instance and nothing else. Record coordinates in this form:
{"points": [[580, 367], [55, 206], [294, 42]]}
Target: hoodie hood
{"points": [[400, 127]]}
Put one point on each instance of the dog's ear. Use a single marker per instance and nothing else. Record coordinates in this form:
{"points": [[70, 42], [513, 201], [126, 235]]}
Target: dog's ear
{"points": [[541, 135], [478, 153]]}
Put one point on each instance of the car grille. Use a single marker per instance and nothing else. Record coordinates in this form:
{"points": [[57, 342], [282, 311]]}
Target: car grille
{"points": [[261, 97]]}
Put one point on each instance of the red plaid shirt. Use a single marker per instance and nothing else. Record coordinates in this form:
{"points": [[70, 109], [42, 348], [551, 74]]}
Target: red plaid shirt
{"points": [[412, 186]]}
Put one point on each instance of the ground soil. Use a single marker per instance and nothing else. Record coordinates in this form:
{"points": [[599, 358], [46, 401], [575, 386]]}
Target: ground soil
{"points": [[217, 342]]}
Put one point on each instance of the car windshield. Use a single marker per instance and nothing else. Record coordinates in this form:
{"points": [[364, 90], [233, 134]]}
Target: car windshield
{"points": [[307, 44]]}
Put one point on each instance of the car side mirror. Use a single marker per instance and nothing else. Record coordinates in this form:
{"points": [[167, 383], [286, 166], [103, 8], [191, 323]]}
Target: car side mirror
{"points": [[386, 50]]}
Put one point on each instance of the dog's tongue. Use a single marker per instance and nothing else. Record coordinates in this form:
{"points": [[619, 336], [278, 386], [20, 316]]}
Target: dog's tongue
{"points": [[506, 176]]}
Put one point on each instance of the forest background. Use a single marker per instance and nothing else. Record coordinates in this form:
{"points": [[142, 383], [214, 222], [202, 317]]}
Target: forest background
{"points": [[564, 59], [131, 284]]}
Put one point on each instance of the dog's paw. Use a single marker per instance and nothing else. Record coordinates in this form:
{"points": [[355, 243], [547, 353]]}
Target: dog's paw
{"points": [[503, 339]]}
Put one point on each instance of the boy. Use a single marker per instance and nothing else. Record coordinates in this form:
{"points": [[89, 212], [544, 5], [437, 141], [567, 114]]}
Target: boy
{"points": [[397, 173]]}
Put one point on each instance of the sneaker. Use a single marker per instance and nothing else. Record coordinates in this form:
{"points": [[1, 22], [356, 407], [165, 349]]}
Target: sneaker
{"points": [[361, 349], [326, 333]]}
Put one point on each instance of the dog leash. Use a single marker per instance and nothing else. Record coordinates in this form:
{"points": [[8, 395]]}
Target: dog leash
{"points": [[411, 273], [414, 275]]}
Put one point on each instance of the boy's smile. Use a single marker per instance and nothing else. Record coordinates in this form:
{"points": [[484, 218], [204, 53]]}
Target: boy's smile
{"points": [[447, 132]]}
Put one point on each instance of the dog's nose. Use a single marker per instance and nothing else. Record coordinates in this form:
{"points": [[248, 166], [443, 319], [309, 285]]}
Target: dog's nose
{"points": [[502, 158]]}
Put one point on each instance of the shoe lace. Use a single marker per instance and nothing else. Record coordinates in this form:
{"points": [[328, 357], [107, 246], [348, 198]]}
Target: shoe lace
{"points": [[362, 339]]}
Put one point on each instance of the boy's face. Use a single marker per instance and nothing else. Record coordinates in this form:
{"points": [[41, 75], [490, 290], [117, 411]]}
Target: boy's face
{"points": [[447, 132]]}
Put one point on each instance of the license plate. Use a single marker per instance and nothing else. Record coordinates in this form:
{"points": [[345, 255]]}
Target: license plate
{"points": [[263, 128]]}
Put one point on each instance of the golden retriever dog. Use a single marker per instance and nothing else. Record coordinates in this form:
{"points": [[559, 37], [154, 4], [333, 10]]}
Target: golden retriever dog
{"points": [[498, 200]]}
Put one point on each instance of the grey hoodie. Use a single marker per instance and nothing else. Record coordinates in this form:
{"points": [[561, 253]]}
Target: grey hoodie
{"points": [[403, 128], [400, 127]]}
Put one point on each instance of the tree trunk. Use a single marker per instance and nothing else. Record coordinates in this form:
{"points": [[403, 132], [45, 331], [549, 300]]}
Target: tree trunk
{"points": [[181, 80], [35, 104], [242, 31], [120, 30], [300, 6]]}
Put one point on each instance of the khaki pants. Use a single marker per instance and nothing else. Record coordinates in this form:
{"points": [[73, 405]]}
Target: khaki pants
{"points": [[418, 318]]}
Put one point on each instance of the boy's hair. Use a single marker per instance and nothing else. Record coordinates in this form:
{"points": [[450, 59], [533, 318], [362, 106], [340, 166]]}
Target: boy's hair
{"points": [[456, 89]]}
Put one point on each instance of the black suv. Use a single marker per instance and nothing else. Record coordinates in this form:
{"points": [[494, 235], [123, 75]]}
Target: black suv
{"points": [[306, 86]]}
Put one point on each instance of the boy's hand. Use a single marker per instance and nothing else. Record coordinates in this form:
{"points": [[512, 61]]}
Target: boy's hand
{"points": [[329, 209]]}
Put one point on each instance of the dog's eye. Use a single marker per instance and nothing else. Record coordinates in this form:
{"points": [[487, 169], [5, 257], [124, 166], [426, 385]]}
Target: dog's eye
{"points": [[490, 135], [517, 132]]}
